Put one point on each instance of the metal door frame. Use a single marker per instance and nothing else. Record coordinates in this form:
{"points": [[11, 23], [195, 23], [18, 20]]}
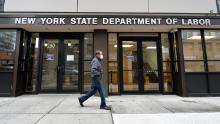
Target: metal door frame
{"points": [[60, 37], [139, 41]]}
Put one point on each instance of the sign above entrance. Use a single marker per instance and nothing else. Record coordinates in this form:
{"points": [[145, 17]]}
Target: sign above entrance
{"points": [[112, 21]]}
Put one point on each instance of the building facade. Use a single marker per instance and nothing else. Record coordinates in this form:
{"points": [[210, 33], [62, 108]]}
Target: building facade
{"points": [[149, 46]]}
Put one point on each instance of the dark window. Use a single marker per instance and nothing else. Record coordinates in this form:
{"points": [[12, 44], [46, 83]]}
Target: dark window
{"points": [[2, 2], [218, 5], [7, 49]]}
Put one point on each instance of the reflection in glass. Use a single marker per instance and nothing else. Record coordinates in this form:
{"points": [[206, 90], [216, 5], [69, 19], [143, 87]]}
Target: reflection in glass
{"points": [[7, 40], [214, 66], [7, 49], [165, 47], [88, 56], [150, 68], [112, 63], [87, 75], [168, 82], [34, 62], [194, 66], [130, 70], [88, 46], [87, 65], [112, 47], [167, 67], [192, 45], [175, 48], [113, 77], [50, 64], [212, 39], [71, 62], [87, 80]]}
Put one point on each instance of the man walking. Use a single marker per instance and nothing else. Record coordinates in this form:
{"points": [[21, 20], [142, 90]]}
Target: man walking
{"points": [[96, 74]]}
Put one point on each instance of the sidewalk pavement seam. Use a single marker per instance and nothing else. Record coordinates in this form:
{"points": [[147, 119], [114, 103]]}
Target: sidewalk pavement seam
{"points": [[157, 102], [111, 114], [49, 111]]}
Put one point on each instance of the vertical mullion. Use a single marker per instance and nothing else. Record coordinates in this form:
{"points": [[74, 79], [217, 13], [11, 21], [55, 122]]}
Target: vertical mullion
{"points": [[172, 56], [120, 65], [205, 59], [140, 65], [181, 65], [160, 64]]}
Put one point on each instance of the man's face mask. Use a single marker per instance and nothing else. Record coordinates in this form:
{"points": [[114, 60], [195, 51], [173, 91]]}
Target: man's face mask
{"points": [[101, 56]]}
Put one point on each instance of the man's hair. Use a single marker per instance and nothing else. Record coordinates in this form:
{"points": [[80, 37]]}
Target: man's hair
{"points": [[98, 52]]}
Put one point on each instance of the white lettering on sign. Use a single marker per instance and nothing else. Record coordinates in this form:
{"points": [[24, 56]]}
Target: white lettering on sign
{"points": [[53, 21], [25, 21], [196, 21], [130, 21], [113, 21], [171, 21], [84, 21]]}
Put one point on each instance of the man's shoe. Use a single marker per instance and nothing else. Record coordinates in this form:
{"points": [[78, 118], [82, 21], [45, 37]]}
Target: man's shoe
{"points": [[80, 102], [106, 107]]}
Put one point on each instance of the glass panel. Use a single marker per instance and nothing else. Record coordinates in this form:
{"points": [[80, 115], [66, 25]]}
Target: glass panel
{"points": [[130, 71], [167, 67], [150, 68], [87, 65], [50, 63], [176, 67], [87, 81], [88, 55], [168, 82], [165, 47], [2, 3], [113, 77], [7, 49], [218, 5], [34, 61], [87, 75], [192, 45], [112, 65], [71, 65], [8, 40], [175, 48], [212, 39], [112, 46], [194, 66], [214, 66], [88, 46]]}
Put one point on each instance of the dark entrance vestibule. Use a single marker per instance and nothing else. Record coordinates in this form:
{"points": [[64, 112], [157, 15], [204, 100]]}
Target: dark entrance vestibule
{"points": [[140, 65], [60, 63]]}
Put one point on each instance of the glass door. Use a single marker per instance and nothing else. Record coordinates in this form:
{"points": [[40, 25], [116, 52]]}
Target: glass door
{"points": [[139, 69], [60, 65], [50, 65], [70, 65], [150, 66], [130, 66]]}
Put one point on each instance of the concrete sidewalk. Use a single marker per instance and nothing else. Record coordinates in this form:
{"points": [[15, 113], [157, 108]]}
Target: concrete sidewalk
{"points": [[51, 109], [129, 109], [165, 109]]}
